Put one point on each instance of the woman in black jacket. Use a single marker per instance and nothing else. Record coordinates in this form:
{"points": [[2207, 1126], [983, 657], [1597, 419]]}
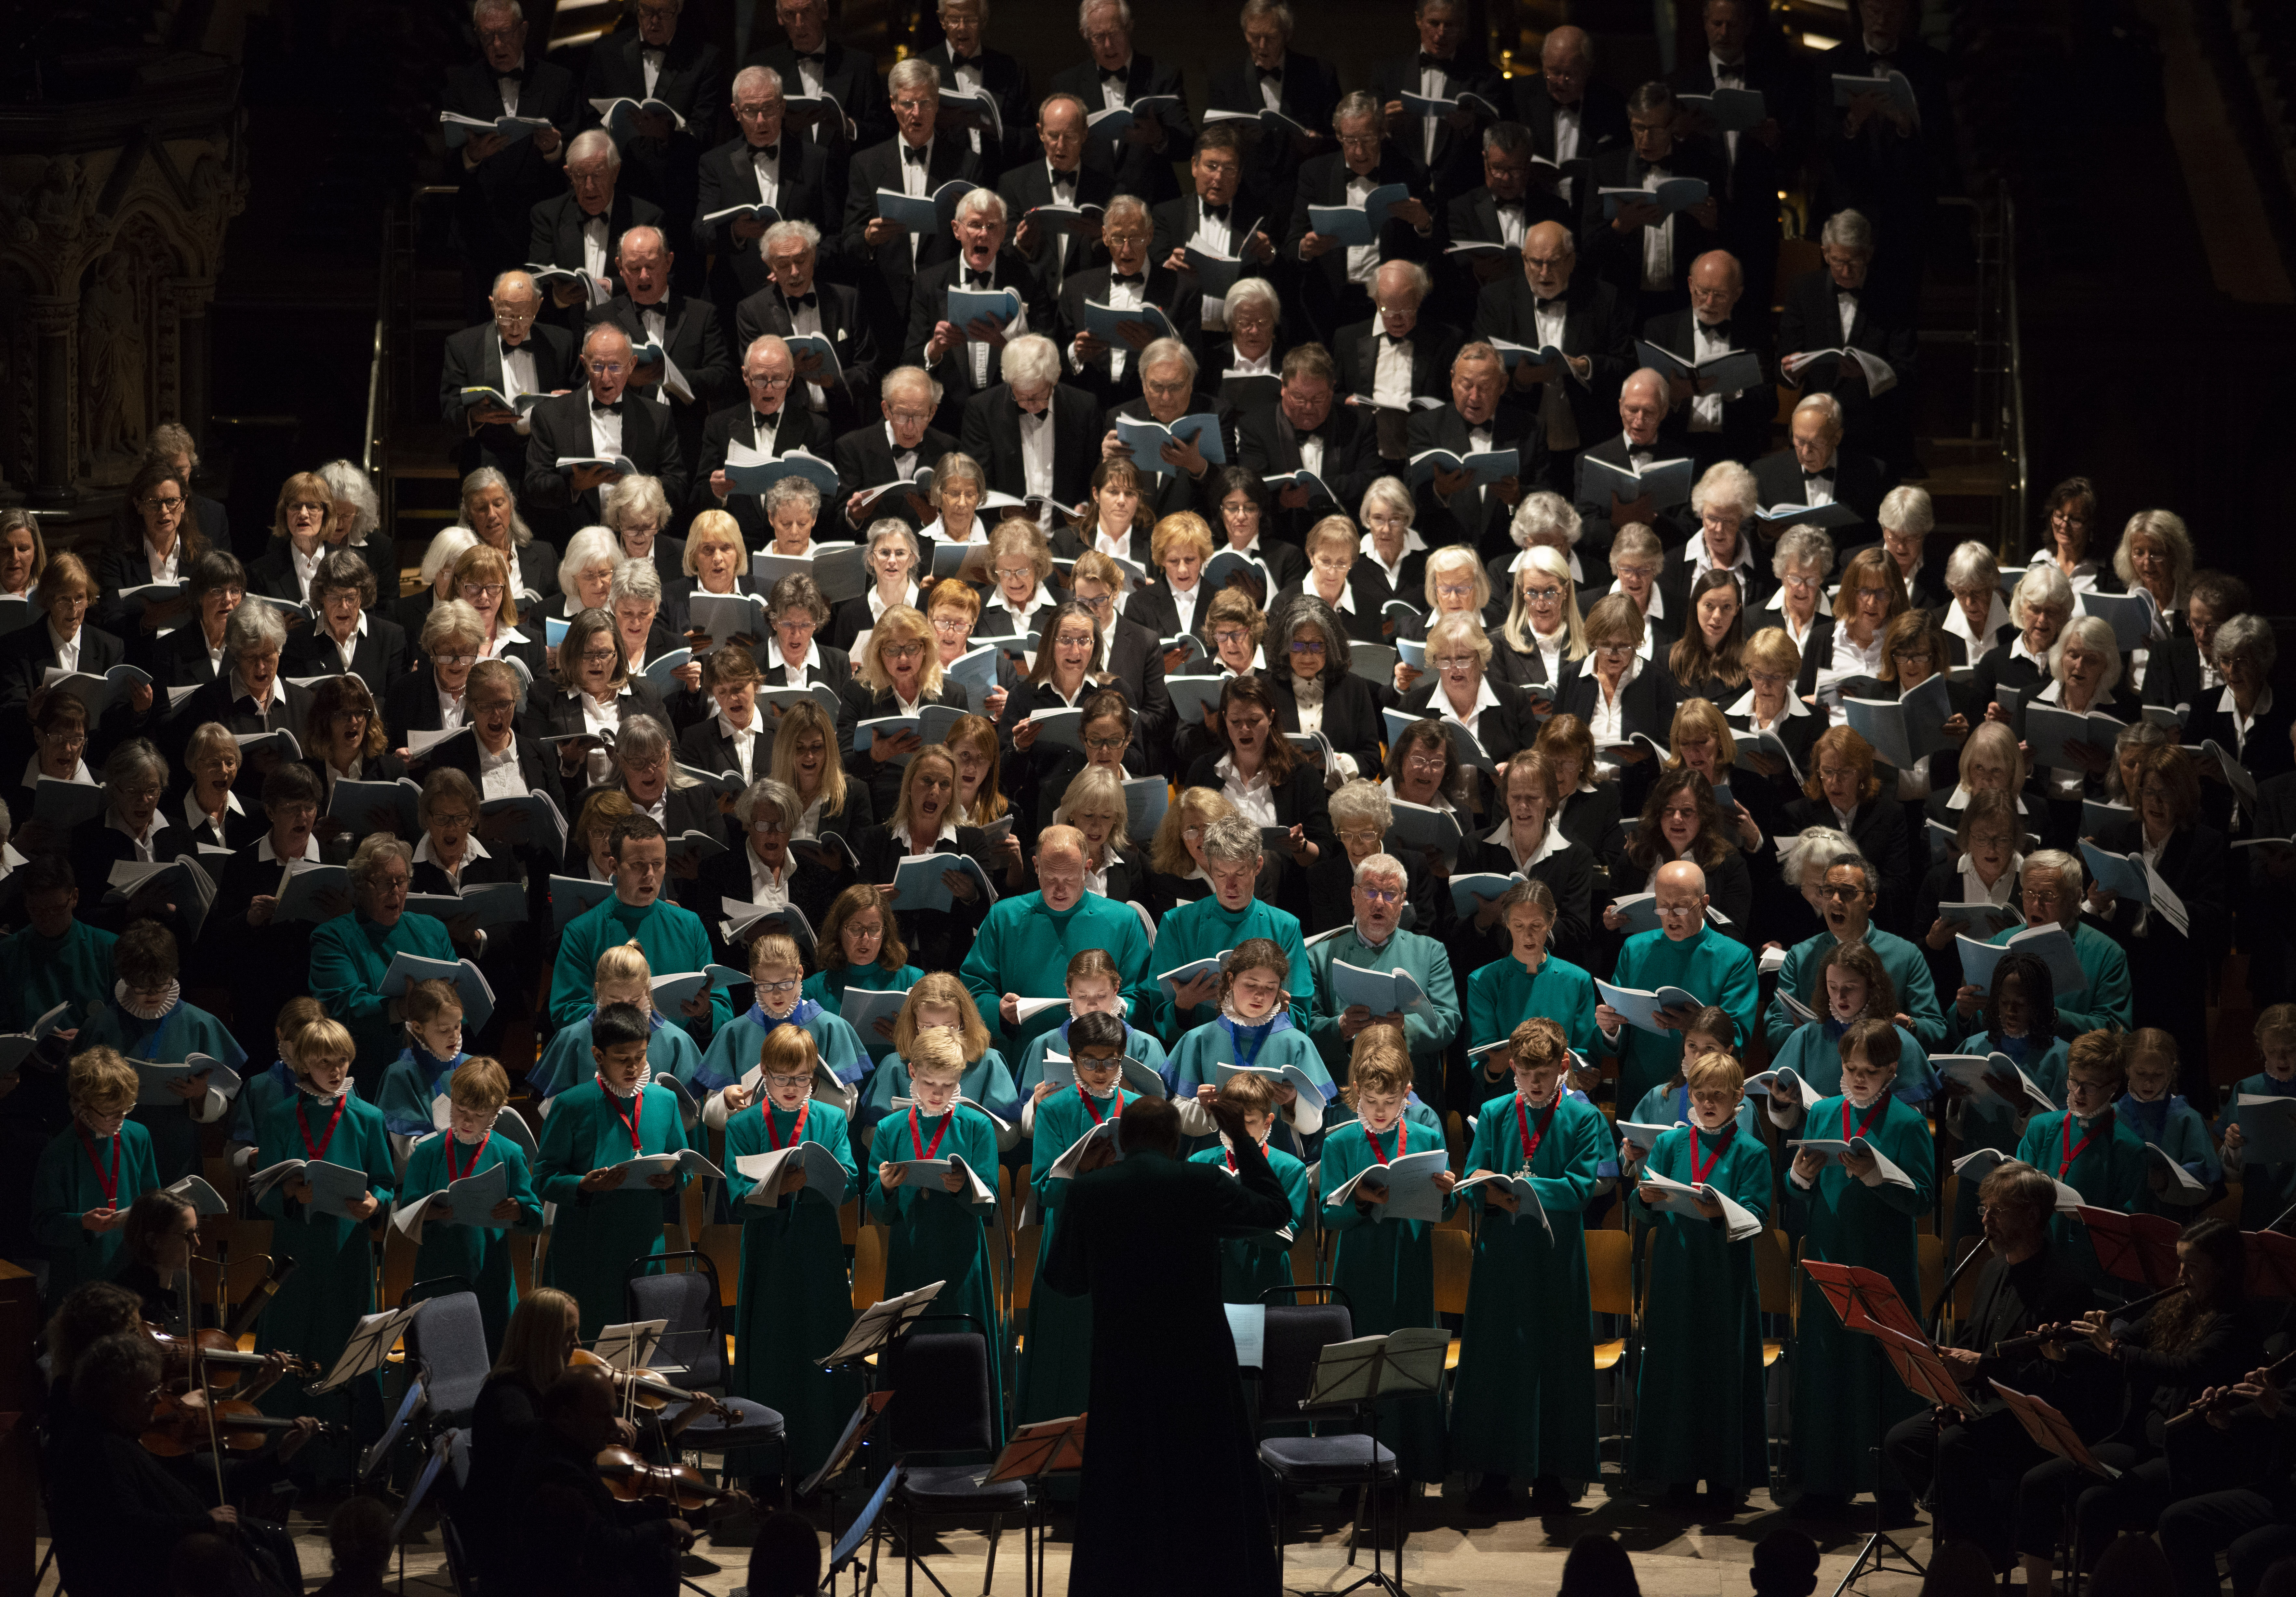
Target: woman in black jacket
{"points": [[1529, 843], [1840, 790], [900, 675], [1311, 673], [1617, 694], [156, 540], [1587, 811], [1457, 689], [1269, 784], [1679, 820], [921, 820]]}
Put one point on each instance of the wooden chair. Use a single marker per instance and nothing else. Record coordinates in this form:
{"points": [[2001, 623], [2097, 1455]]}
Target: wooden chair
{"points": [[1611, 1290], [869, 1265], [1455, 1264], [722, 1245]]}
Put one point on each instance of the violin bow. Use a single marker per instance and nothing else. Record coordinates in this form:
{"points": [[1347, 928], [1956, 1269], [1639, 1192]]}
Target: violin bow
{"points": [[200, 1357]]}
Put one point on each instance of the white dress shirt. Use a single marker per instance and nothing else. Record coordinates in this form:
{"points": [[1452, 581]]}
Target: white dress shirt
{"points": [[594, 246], [605, 431], [1554, 413], [1412, 544], [1566, 121], [1845, 306], [144, 845], [1706, 409], [67, 649], [1973, 890], [1391, 383], [1036, 453], [1658, 238], [768, 887], [1185, 605], [1255, 799], [348, 647], [1213, 234], [1608, 721], [197, 819], [306, 566], [1363, 259], [1434, 84], [743, 740], [650, 60], [499, 776]]}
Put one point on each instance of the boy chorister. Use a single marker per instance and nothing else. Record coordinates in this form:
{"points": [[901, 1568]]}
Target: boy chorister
{"points": [[2087, 1146], [1249, 1265], [470, 1146], [147, 1020], [91, 1173], [424, 1069]]}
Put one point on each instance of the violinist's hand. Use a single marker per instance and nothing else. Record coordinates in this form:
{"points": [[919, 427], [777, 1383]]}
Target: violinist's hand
{"points": [[363, 1207], [892, 1176], [626, 1433], [681, 1533], [792, 1179], [505, 1212], [101, 1220], [604, 1181], [297, 1437]]}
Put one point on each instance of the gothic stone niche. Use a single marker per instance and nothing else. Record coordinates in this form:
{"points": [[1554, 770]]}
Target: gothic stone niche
{"points": [[127, 361], [19, 369]]}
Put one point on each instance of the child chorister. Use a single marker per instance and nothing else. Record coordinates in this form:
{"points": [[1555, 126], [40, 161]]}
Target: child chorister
{"points": [[940, 1002], [1095, 986], [2265, 1191], [425, 1068], [1851, 984], [608, 1218], [1669, 1103], [2090, 1149], [861, 948], [260, 1090], [621, 975], [1253, 1030], [1522, 1403], [148, 1022], [1847, 1212], [470, 1146], [2021, 1025], [2158, 1118], [795, 1302], [777, 975], [91, 1173], [1698, 1399], [1250, 1265]]}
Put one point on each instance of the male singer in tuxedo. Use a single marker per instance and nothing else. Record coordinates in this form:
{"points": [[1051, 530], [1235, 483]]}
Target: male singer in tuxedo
{"points": [[583, 227], [1274, 77], [1060, 175], [1441, 150], [601, 418], [502, 178], [1217, 220], [1707, 425], [513, 354], [1116, 75], [1110, 372], [1307, 429], [1816, 469], [1169, 391], [1643, 252], [1839, 306], [767, 162], [769, 421], [1033, 434], [1643, 409], [892, 449], [1507, 205], [1454, 508], [1383, 362], [796, 301], [1569, 115], [658, 60], [1335, 278], [684, 327], [1552, 302], [963, 358], [1887, 163], [1742, 53], [812, 63], [965, 61], [886, 256]]}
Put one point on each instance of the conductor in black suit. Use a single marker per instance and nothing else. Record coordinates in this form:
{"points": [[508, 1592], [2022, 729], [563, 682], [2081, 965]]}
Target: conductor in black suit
{"points": [[513, 354], [582, 229], [1642, 251], [1816, 469], [1274, 77], [1708, 424], [1552, 302], [1384, 361], [812, 63], [662, 60], [965, 62], [770, 420], [883, 254], [1061, 176], [963, 358], [1335, 278], [1838, 307], [1454, 508], [601, 418], [1110, 371], [1569, 115], [1033, 434], [683, 326], [767, 162], [1507, 205], [1444, 67], [502, 177], [1307, 429], [894, 449], [798, 301], [1117, 75]]}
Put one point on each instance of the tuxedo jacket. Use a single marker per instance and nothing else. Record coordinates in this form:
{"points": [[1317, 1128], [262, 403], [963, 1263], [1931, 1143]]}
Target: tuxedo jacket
{"points": [[1368, 592], [1454, 164], [1006, 80], [1309, 93], [848, 333], [1355, 348], [1753, 173], [1139, 170], [1810, 318], [693, 337], [1602, 117], [864, 458], [887, 275], [1269, 445], [378, 659], [929, 306], [1617, 256], [1173, 226], [1675, 526], [1167, 493], [805, 188], [1473, 218], [692, 82], [850, 77], [554, 233], [474, 360], [1029, 183], [1479, 521], [991, 435], [1745, 419], [497, 193], [1878, 172], [562, 427], [1352, 721], [1322, 282], [1857, 482], [1167, 291], [1597, 323], [795, 428], [1513, 726]]}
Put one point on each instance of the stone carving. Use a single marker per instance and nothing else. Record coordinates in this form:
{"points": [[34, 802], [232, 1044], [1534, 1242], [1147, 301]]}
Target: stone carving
{"points": [[112, 358]]}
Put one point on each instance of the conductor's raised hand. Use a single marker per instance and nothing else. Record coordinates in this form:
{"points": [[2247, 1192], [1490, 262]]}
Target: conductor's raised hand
{"points": [[1229, 1119]]}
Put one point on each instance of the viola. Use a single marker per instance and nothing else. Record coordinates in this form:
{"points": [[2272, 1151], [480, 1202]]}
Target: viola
{"points": [[181, 1426], [648, 1390], [218, 1355], [629, 1478]]}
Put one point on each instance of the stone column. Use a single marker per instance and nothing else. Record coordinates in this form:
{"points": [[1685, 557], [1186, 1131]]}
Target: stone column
{"points": [[51, 322], [192, 297]]}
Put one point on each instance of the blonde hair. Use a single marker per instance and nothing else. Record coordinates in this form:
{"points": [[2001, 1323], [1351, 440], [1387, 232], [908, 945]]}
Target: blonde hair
{"points": [[775, 948], [99, 1082], [711, 526], [481, 1083], [1381, 1065], [1710, 1070], [1460, 556], [933, 1052], [1248, 1093], [942, 987], [1181, 527], [800, 718], [902, 624], [1196, 807], [534, 1342], [1516, 627], [787, 1051], [323, 1039], [624, 962]]}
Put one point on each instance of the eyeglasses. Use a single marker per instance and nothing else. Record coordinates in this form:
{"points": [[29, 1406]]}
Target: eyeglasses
{"points": [[502, 36], [1015, 573], [951, 627], [1446, 590], [765, 380], [1454, 662], [483, 590], [166, 507], [1382, 895], [777, 988], [788, 1083], [608, 368], [1304, 646], [1547, 263], [797, 625], [449, 820], [1097, 604], [64, 740], [1840, 892], [755, 108], [1229, 638], [1837, 773], [901, 651], [1542, 595], [597, 657], [645, 767], [1424, 765], [1106, 745], [1239, 512], [141, 794], [910, 418], [456, 662]]}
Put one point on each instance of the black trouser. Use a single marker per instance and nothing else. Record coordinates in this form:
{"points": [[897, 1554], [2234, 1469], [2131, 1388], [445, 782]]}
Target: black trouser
{"points": [[1971, 1463], [2258, 1529], [2101, 1508]]}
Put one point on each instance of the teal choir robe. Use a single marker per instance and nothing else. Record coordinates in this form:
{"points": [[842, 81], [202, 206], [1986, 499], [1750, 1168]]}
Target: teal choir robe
{"points": [[827, 988], [1022, 948], [1142, 1045], [1669, 1105], [796, 1301], [185, 1029], [1842, 1386], [1522, 1401], [986, 1083], [2106, 1001], [415, 1080], [567, 1061], [349, 957], [2265, 1191], [1250, 1265], [937, 1234], [1698, 1399], [597, 1236], [1504, 994], [1427, 1032], [1909, 974], [1204, 930], [733, 1053], [1057, 1354], [2104, 1163], [674, 943], [259, 1092], [1387, 1269], [1708, 965], [2174, 1127], [479, 1254], [77, 1174], [1980, 1120], [38, 973], [1196, 1061], [1812, 1050]]}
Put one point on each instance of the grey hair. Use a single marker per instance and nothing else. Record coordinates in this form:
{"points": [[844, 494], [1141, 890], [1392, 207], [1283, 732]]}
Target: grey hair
{"points": [[1908, 508], [1084, 8], [2041, 585], [1231, 841], [635, 579], [1816, 845], [1652, 380], [638, 737], [1972, 565], [605, 330], [1254, 9], [2136, 734], [445, 623], [637, 233], [1544, 515], [1360, 800], [1164, 350], [516, 276], [767, 343], [2066, 867], [1381, 864], [1728, 485], [1421, 283], [1360, 103], [209, 736], [912, 73], [639, 493], [1824, 405], [253, 627], [488, 476], [1245, 290], [962, 467], [2247, 634], [981, 199], [890, 527], [479, 8], [1388, 491], [585, 549], [1803, 546], [373, 851], [341, 569], [792, 489], [1304, 608], [1849, 859], [2168, 528], [763, 74], [590, 144], [2097, 633], [788, 228], [918, 377], [345, 481], [766, 791], [1507, 138], [1032, 358], [1122, 205], [1847, 230], [134, 758]]}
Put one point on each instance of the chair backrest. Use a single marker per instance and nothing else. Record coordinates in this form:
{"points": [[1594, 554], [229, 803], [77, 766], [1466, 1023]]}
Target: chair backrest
{"points": [[946, 1402], [723, 1245], [1610, 1272], [450, 1338], [1774, 1271], [1455, 1262], [1296, 1333], [688, 1300], [869, 1265]]}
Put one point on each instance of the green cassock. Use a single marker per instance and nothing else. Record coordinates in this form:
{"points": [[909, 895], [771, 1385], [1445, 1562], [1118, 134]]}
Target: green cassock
{"points": [[1248, 1268], [1503, 995], [1387, 1269], [1056, 1357], [1710, 967], [1697, 1401], [796, 1302], [2174, 1127], [827, 988], [1205, 930], [38, 973], [2107, 1000], [350, 955], [174, 1037], [479, 1254], [733, 1053], [937, 1234], [1197, 1059], [1427, 1032], [596, 1236], [1981, 1120], [1522, 1401], [2105, 1165], [2265, 1191], [1842, 1387], [1909, 976], [674, 943], [416, 1080], [1812, 1051], [1023, 947], [68, 1181], [567, 1062]]}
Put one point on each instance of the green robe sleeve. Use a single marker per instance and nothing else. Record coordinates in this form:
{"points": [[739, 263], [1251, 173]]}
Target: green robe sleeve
{"points": [[1572, 1155]]}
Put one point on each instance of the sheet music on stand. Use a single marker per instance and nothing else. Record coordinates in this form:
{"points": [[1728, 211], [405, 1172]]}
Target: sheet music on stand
{"points": [[857, 1426], [1925, 1375], [1046, 1447], [630, 1346], [373, 1459], [877, 1326], [2051, 1431], [371, 1342], [1403, 1363]]}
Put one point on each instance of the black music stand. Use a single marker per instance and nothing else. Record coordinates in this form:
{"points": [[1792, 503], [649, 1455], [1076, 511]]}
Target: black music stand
{"points": [[858, 1428], [1403, 1363], [1047, 1447], [2052, 1432], [1867, 1301]]}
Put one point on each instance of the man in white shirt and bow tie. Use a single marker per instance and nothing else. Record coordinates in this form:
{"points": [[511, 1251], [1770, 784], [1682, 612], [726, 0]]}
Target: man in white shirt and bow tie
{"points": [[963, 356]]}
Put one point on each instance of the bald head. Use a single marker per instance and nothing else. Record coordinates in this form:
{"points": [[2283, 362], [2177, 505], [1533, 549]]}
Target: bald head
{"points": [[1549, 253], [1566, 61], [1641, 406], [1680, 889], [1059, 867]]}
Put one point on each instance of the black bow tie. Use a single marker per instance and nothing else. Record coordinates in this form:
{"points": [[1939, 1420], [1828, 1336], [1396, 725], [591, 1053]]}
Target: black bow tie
{"points": [[979, 280], [1267, 72], [1128, 277], [766, 153], [517, 74], [1216, 213], [1114, 74], [794, 300], [1716, 329], [1559, 302], [599, 407], [956, 61], [1825, 476], [1064, 180], [817, 57], [765, 423], [1435, 61], [913, 155]]}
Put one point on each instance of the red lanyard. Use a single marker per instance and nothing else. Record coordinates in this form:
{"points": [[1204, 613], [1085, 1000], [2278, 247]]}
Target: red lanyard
{"points": [[796, 1132], [110, 1184], [2072, 1152], [1093, 1108], [1402, 1140], [1698, 1172], [1872, 1115], [629, 1121], [468, 1169], [1530, 1140], [318, 1149], [918, 1143]]}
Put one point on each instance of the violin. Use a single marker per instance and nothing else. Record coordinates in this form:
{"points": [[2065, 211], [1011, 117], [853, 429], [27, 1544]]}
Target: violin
{"points": [[219, 1356], [629, 1478], [181, 1426], [650, 1391]]}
